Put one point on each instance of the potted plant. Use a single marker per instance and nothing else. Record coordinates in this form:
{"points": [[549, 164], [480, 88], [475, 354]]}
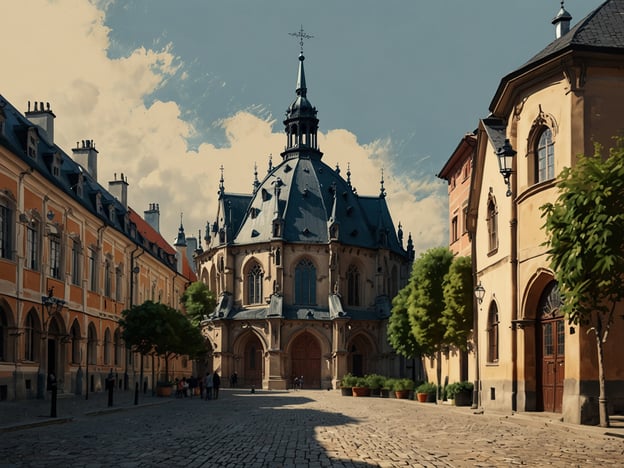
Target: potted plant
{"points": [[387, 391], [375, 383], [403, 387], [426, 392], [461, 392], [361, 388], [347, 382]]}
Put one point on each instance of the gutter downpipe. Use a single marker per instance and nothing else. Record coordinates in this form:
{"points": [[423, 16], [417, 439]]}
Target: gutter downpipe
{"points": [[476, 309], [514, 288], [130, 302]]}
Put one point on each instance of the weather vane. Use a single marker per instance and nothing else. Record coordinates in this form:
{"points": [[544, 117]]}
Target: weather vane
{"points": [[301, 35]]}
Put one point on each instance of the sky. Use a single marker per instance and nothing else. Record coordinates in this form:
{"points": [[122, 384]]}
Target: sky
{"points": [[170, 92]]}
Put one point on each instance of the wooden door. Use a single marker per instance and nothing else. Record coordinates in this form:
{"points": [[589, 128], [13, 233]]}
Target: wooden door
{"points": [[553, 364], [306, 360], [252, 365]]}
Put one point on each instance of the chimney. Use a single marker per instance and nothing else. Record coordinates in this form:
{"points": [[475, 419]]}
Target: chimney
{"points": [[152, 216], [43, 118], [86, 156], [119, 189], [562, 22]]}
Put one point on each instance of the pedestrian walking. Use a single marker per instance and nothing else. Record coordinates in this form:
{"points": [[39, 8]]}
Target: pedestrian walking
{"points": [[233, 379], [216, 383], [208, 384]]}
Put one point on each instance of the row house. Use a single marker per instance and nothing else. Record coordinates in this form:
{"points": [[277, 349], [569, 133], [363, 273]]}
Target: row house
{"points": [[73, 256]]}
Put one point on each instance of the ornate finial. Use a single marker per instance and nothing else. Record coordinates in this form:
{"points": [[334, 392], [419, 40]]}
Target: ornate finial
{"points": [[400, 233], [301, 35], [270, 168], [382, 190], [256, 182], [349, 174], [221, 186], [337, 169], [181, 216]]}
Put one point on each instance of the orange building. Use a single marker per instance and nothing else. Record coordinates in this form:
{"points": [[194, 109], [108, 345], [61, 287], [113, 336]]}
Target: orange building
{"points": [[73, 256]]}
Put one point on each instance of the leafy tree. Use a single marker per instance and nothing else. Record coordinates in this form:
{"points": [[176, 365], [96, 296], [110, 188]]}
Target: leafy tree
{"points": [[425, 303], [158, 328], [198, 301], [457, 316], [400, 334], [586, 248]]}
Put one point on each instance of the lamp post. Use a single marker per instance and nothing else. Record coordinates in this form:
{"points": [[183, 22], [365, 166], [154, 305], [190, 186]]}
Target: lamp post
{"points": [[505, 155], [479, 293], [53, 306]]}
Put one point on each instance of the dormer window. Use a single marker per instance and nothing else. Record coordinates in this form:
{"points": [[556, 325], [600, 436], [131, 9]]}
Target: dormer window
{"points": [[111, 213], [32, 142], [98, 203], [56, 165]]}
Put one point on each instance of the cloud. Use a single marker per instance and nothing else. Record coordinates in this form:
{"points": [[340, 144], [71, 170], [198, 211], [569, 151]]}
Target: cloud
{"points": [[61, 57]]}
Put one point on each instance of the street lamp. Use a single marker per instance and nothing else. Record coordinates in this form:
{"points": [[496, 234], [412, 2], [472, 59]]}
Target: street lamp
{"points": [[479, 292], [505, 155], [54, 306]]}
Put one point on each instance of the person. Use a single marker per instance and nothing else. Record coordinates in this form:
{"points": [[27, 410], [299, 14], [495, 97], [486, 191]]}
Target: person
{"points": [[208, 385], [300, 382], [233, 379], [216, 383], [192, 385], [296, 383]]}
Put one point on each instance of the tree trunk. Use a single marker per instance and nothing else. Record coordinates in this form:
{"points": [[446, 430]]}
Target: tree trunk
{"points": [[439, 372], [602, 398]]}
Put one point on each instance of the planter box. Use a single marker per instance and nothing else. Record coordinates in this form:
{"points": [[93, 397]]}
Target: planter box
{"points": [[402, 394], [375, 392], [384, 393], [346, 391], [361, 391], [422, 397], [463, 398]]}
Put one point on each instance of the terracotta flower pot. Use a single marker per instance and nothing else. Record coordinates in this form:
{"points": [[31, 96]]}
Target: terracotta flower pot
{"points": [[402, 394], [422, 397], [361, 391]]}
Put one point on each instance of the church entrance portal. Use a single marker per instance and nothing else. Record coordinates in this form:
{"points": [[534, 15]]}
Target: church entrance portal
{"points": [[306, 360]]}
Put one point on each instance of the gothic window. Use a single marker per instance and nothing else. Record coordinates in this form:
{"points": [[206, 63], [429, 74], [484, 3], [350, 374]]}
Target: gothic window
{"points": [[305, 283], [492, 334], [492, 224], [353, 286], [55, 256], [117, 345], [32, 245], [254, 284], [75, 265], [545, 157]]}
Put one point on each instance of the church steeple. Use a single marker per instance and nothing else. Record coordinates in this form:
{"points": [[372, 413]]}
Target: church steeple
{"points": [[301, 124]]}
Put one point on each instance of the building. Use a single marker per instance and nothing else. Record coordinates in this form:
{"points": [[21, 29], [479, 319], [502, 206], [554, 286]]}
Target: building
{"points": [[458, 365], [305, 269], [550, 110], [73, 256]]}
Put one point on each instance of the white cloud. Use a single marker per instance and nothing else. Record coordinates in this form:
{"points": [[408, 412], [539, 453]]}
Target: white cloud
{"points": [[58, 54]]}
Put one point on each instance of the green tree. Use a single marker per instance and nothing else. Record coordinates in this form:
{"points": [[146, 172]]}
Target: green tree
{"points": [[198, 301], [457, 316], [425, 303], [158, 328], [400, 334], [586, 248]]}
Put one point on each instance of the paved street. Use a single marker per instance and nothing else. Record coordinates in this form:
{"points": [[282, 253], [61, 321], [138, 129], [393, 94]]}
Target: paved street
{"points": [[297, 429]]}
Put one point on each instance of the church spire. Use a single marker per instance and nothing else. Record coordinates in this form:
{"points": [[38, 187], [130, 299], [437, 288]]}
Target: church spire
{"points": [[301, 124]]}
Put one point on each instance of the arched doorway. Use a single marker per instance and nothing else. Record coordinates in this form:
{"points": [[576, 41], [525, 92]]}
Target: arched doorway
{"points": [[551, 342], [359, 352], [252, 362], [306, 360]]}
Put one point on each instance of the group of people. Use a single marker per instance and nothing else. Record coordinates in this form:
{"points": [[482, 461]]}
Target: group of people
{"points": [[212, 382], [207, 387]]}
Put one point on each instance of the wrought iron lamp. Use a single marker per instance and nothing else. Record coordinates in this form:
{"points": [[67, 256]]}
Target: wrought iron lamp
{"points": [[479, 292], [505, 155]]}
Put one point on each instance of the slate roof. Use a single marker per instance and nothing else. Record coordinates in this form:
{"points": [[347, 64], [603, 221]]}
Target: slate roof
{"points": [[600, 31]]}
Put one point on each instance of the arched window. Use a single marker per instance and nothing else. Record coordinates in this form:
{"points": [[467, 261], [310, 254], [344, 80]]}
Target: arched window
{"points": [[353, 286], [255, 276], [492, 224], [117, 345], [107, 346], [30, 328], [545, 157], [492, 334], [305, 283]]}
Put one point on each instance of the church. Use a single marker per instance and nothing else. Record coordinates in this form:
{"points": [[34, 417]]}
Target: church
{"points": [[304, 269]]}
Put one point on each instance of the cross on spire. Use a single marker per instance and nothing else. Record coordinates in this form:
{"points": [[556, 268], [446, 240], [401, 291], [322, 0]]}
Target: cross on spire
{"points": [[301, 34]]}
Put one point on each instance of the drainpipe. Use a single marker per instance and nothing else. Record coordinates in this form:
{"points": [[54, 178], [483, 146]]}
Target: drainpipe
{"points": [[514, 288], [476, 309], [133, 271]]}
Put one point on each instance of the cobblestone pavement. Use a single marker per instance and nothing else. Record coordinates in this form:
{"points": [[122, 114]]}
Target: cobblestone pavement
{"points": [[295, 429]]}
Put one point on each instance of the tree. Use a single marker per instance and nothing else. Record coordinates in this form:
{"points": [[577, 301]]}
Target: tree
{"points": [[586, 248], [457, 316], [198, 301], [158, 328], [425, 303]]}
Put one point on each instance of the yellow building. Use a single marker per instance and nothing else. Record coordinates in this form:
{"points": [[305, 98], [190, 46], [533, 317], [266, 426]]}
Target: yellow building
{"points": [[552, 109], [73, 255]]}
